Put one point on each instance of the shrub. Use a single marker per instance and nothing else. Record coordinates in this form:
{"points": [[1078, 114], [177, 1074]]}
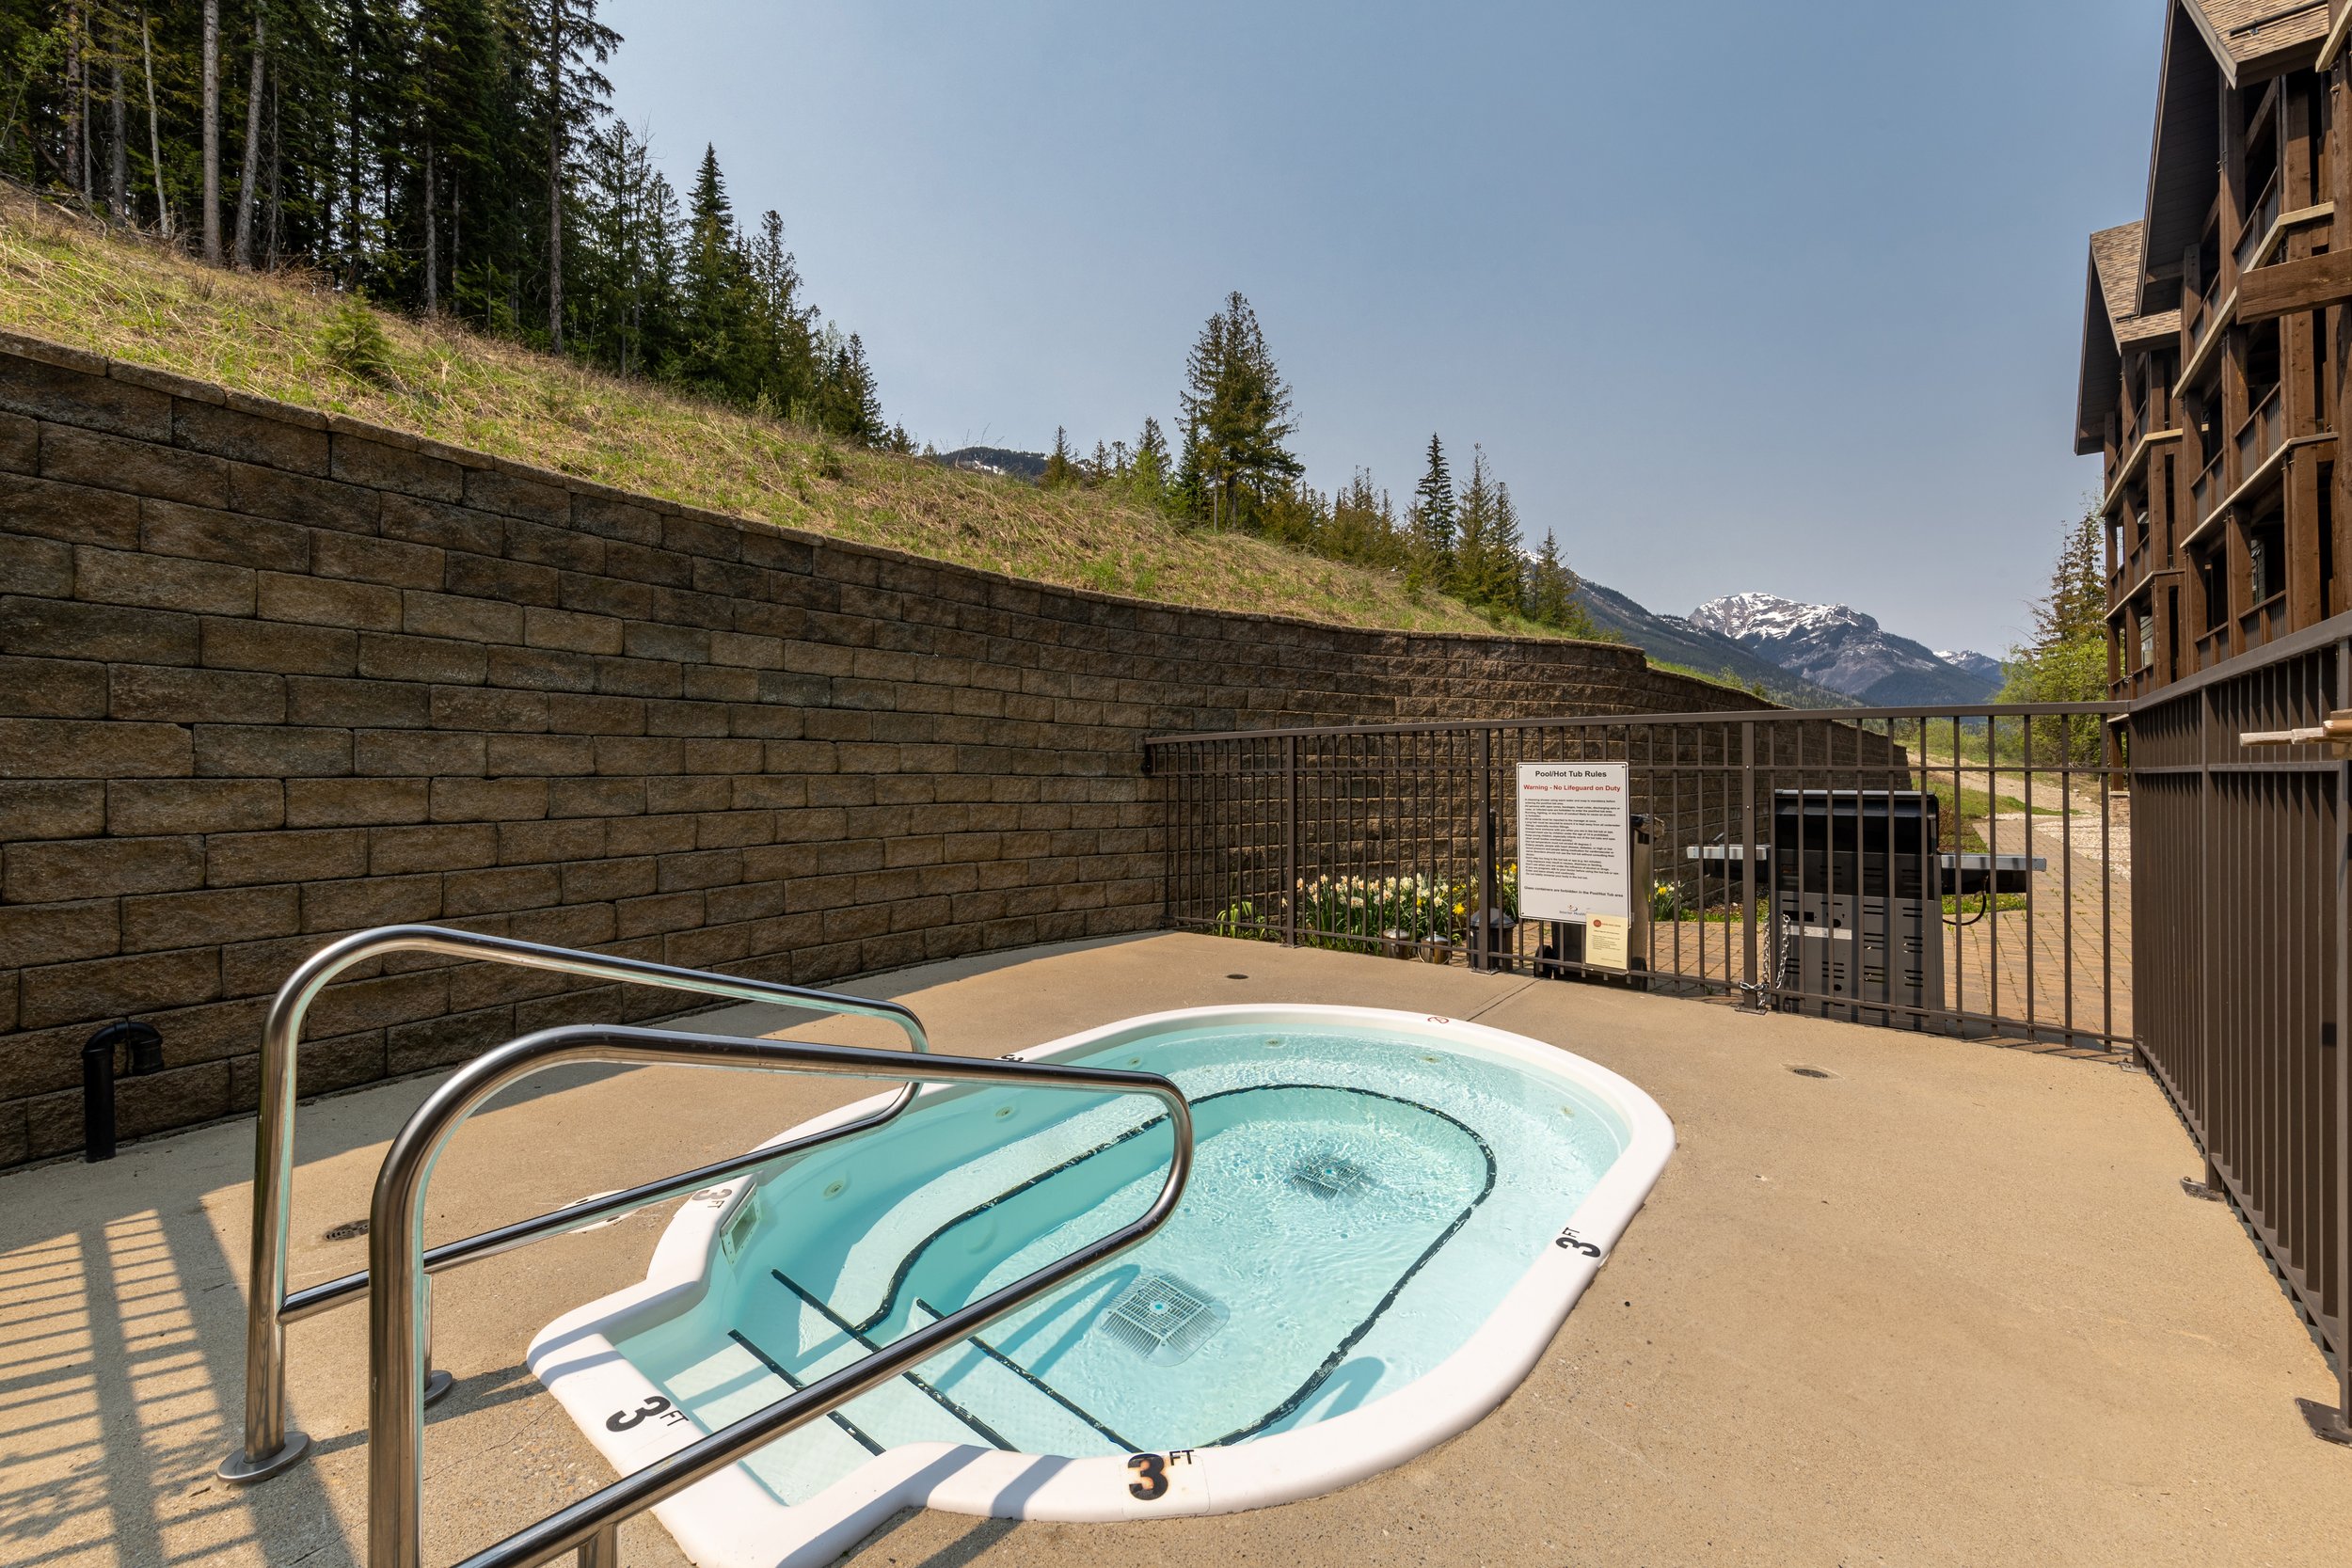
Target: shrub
{"points": [[353, 342]]}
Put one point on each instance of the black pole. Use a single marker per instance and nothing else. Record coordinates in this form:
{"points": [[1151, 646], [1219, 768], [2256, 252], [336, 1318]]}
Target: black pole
{"points": [[97, 1097], [143, 1054]]}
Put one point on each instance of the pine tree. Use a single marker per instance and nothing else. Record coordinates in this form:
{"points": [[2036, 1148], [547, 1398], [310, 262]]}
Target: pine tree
{"points": [[1432, 519], [715, 353], [571, 44], [1296, 516], [1362, 529], [781, 324], [1501, 578], [117, 122], [1237, 415], [249, 169], [2075, 606], [1192, 491], [1552, 593], [1147, 471], [1060, 473], [865, 396], [1473, 534], [2067, 661]]}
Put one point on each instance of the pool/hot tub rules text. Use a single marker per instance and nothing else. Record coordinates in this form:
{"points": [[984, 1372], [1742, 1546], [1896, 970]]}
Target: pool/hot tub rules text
{"points": [[1575, 840]]}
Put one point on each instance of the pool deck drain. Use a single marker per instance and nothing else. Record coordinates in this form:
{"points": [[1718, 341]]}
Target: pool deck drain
{"points": [[1968, 1318]]}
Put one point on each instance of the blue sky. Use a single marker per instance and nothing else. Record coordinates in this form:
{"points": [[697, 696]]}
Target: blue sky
{"points": [[1759, 296]]}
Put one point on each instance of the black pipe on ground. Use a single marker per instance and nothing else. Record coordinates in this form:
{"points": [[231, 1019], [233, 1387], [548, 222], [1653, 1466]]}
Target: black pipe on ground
{"points": [[142, 1053]]}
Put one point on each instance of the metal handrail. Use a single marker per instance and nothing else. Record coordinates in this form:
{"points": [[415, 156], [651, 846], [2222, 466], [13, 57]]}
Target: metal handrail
{"points": [[396, 1277], [269, 1446]]}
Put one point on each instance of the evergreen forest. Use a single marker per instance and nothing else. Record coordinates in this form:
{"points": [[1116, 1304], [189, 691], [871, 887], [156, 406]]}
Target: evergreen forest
{"points": [[463, 160]]}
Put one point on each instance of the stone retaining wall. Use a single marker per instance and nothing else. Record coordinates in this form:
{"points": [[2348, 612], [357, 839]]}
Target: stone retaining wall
{"points": [[268, 677]]}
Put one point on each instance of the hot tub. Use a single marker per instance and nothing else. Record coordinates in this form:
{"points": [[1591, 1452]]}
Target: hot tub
{"points": [[1388, 1217]]}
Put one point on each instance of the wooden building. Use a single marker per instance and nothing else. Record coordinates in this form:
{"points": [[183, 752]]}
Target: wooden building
{"points": [[2214, 357]]}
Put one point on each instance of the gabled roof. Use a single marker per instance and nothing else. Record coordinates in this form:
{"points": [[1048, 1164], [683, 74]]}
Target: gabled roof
{"points": [[2112, 323], [2257, 39], [2206, 44], [2182, 165], [2115, 262]]}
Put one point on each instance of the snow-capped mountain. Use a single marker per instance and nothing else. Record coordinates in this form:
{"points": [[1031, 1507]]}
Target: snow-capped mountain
{"points": [[1981, 665], [995, 460], [1672, 640], [1838, 646]]}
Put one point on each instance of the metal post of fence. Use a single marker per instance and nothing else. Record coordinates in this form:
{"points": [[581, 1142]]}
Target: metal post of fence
{"points": [[2341, 852], [1747, 861], [2206, 719], [1482, 918], [1290, 841]]}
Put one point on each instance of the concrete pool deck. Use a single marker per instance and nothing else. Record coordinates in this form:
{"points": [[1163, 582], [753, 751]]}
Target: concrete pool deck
{"points": [[1948, 1305]]}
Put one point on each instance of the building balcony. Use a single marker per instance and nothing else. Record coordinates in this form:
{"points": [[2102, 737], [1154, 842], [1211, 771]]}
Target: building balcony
{"points": [[2266, 622], [2263, 240], [2259, 222], [2133, 567], [2207, 492], [2212, 648], [2264, 431]]}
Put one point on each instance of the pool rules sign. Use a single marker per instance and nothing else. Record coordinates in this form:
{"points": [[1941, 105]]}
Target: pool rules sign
{"points": [[1576, 852]]}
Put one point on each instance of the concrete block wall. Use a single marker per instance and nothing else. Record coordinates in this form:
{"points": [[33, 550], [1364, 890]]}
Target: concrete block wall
{"points": [[269, 676]]}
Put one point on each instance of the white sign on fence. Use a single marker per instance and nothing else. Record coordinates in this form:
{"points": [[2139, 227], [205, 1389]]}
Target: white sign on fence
{"points": [[1576, 840]]}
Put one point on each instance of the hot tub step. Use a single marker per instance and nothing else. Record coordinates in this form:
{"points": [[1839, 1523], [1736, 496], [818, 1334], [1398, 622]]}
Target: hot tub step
{"points": [[1028, 1409]]}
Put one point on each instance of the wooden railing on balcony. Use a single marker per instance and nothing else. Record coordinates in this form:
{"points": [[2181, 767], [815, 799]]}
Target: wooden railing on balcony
{"points": [[2206, 492], [2208, 302], [2213, 648], [2264, 214], [2264, 431], [2266, 622]]}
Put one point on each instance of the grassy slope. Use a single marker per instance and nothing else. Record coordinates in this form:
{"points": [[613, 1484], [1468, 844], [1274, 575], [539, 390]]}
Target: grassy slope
{"points": [[67, 281]]}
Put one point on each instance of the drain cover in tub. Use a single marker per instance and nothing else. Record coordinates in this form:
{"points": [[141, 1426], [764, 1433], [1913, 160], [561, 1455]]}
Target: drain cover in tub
{"points": [[1329, 1176], [1163, 1319]]}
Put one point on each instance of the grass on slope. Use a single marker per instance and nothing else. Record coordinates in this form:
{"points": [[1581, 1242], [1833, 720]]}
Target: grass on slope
{"points": [[68, 280]]}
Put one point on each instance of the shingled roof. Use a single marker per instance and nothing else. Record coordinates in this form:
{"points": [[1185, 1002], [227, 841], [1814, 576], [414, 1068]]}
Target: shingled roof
{"points": [[2208, 43], [2115, 262], [2111, 323], [2255, 32]]}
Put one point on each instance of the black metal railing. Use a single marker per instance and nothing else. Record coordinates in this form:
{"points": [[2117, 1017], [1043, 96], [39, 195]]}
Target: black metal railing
{"points": [[2239, 887], [1758, 836]]}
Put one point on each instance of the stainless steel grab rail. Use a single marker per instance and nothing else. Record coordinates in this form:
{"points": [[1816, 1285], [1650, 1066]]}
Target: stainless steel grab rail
{"points": [[269, 1446], [396, 1277]]}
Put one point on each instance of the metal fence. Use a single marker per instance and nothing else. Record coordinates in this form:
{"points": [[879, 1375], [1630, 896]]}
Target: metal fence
{"points": [[2239, 886], [1956, 869]]}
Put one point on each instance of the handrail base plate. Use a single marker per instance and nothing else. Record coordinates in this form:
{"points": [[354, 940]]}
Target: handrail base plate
{"points": [[237, 1470]]}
